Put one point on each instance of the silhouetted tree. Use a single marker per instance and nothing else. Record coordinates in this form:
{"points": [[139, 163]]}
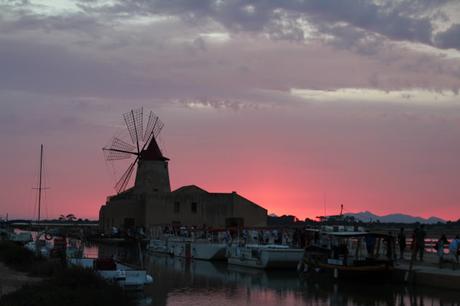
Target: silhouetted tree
{"points": [[71, 217]]}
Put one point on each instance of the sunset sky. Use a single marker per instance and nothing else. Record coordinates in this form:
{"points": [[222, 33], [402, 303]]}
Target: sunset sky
{"points": [[300, 106]]}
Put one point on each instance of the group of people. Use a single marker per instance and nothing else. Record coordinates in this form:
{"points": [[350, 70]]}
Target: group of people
{"points": [[418, 246], [453, 247], [418, 242]]}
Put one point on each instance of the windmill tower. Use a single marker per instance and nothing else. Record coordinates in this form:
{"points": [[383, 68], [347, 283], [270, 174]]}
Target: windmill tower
{"points": [[152, 173]]}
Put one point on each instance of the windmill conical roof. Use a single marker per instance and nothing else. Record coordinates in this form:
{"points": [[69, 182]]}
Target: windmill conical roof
{"points": [[152, 152]]}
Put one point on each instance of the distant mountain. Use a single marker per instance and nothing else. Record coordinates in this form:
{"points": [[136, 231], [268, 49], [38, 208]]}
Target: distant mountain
{"points": [[367, 216]]}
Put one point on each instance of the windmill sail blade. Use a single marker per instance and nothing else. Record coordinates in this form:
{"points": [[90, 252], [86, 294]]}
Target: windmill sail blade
{"points": [[116, 155], [134, 123], [120, 186], [154, 126], [118, 144], [158, 127], [150, 124], [119, 149]]}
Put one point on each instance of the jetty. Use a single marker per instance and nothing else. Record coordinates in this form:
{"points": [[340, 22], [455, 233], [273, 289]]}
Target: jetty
{"points": [[428, 272]]}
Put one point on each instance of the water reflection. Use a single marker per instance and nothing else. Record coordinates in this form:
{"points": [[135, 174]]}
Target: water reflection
{"points": [[181, 282]]}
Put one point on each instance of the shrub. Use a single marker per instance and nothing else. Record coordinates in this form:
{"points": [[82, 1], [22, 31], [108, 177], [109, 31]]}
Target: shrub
{"points": [[15, 255], [70, 287]]}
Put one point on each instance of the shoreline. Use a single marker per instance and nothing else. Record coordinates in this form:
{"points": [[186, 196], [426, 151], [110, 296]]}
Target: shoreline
{"points": [[12, 280], [36, 281]]}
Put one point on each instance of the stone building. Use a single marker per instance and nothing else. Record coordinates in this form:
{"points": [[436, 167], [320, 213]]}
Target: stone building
{"points": [[150, 202]]}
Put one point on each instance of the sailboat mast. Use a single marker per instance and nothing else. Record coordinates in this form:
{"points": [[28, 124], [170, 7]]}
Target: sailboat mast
{"points": [[40, 183]]}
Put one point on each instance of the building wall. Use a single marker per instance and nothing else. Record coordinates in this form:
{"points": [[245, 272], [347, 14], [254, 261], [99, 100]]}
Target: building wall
{"points": [[194, 208], [187, 209], [253, 214], [202, 208], [116, 212]]}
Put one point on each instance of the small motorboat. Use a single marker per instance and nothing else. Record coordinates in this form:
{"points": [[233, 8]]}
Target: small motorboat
{"points": [[196, 248], [264, 256], [123, 275], [348, 252], [188, 248], [20, 237], [39, 247]]}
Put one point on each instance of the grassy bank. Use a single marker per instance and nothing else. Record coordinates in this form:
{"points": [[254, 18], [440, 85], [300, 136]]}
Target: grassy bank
{"points": [[21, 259], [61, 285]]}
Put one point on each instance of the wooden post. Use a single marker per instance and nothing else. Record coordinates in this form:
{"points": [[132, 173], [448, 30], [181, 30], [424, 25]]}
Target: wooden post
{"points": [[411, 263], [141, 258]]}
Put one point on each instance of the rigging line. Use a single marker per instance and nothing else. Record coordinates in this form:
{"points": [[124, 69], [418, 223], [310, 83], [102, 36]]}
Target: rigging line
{"points": [[45, 193], [34, 207], [40, 183]]}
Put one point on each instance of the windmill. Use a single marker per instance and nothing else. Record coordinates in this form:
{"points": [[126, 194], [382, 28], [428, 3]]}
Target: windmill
{"points": [[142, 143]]}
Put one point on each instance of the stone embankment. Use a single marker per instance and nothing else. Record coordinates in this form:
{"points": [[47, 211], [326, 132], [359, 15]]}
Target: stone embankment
{"points": [[429, 272]]}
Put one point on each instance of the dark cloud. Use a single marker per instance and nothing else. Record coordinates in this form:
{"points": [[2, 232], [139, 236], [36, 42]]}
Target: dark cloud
{"points": [[449, 38], [125, 57], [391, 19], [344, 20], [366, 15]]}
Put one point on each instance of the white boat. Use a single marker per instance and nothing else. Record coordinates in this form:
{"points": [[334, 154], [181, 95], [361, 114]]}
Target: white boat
{"points": [[189, 248], [120, 274], [158, 246], [264, 256], [21, 237], [44, 247], [17, 237], [197, 249]]}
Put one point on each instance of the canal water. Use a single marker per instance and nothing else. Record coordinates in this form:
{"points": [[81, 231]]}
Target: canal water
{"points": [[188, 283]]}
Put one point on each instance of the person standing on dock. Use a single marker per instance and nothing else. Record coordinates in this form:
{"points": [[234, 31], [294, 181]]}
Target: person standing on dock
{"points": [[439, 246], [420, 235], [402, 243], [453, 250]]}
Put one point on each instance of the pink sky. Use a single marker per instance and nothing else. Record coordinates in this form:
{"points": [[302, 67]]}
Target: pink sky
{"points": [[287, 104]]}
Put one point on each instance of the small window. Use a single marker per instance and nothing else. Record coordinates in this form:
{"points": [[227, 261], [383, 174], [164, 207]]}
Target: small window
{"points": [[194, 207], [176, 207]]}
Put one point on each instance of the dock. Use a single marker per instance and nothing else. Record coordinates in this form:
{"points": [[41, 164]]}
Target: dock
{"points": [[428, 272]]}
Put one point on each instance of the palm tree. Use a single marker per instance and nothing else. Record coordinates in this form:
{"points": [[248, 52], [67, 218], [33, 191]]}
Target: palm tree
{"points": [[71, 217]]}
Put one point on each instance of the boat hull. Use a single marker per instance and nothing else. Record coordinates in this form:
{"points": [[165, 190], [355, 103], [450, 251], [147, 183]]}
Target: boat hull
{"points": [[265, 258], [377, 272], [122, 275], [197, 250]]}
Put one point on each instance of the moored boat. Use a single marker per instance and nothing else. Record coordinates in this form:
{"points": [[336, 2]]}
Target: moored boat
{"points": [[39, 247], [347, 252], [118, 273], [20, 237], [264, 256], [189, 248]]}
